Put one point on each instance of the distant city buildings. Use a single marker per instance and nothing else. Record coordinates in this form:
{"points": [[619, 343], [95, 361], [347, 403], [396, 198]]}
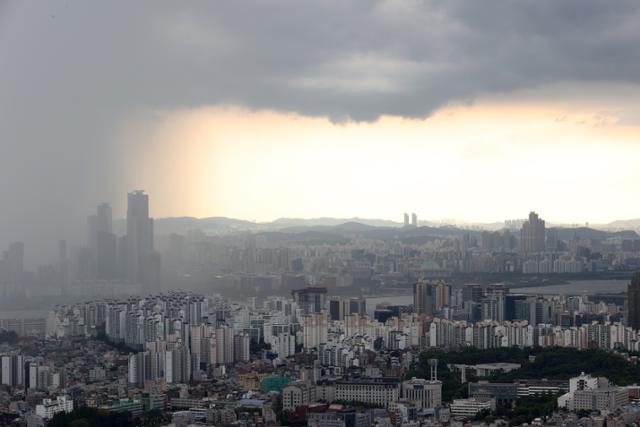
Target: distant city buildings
{"points": [[532, 235], [12, 370], [310, 299], [12, 264], [297, 394], [326, 359], [102, 244], [587, 393], [133, 256], [142, 263], [429, 298], [424, 394], [410, 221], [633, 302], [298, 316], [472, 406], [314, 329], [50, 407], [374, 391]]}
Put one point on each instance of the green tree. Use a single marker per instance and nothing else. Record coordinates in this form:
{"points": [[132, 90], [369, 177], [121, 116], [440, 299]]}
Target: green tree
{"points": [[153, 418], [9, 337]]}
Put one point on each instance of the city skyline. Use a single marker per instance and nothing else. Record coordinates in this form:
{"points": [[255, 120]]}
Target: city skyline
{"points": [[336, 213], [106, 223], [344, 124], [105, 234], [125, 254]]}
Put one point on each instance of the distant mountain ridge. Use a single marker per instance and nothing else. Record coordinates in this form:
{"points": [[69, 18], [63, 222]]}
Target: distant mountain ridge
{"points": [[326, 221], [374, 228], [624, 224]]}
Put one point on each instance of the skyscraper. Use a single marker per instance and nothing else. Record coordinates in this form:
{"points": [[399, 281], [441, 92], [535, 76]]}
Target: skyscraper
{"points": [[423, 298], [414, 219], [429, 298], [358, 306], [12, 370], [336, 311], [104, 218], [532, 235], [13, 261], [472, 292], [311, 299], [106, 255], [63, 266], [141, 260], [224, 345], [493, 303], [406, 219], [241, 347], [633, 302], [102, 243], [314, 329]]}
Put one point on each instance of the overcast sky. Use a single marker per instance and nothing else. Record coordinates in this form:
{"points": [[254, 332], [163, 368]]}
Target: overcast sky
{"points": [[473, 110]]}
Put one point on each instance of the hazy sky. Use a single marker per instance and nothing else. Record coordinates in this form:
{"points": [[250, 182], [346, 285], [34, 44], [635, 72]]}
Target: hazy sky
{"points": [[261, 109]]}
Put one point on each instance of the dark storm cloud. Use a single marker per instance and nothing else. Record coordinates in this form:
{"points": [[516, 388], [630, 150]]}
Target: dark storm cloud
{"points": [[355, 59], [71, 71]]}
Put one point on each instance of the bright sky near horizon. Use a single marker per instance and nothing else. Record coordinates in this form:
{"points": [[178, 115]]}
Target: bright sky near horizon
{"points": [[495, 159]]}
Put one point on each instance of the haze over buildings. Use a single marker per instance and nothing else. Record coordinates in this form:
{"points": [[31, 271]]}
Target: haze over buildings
{"points": [[219, 107], [338, 213]]}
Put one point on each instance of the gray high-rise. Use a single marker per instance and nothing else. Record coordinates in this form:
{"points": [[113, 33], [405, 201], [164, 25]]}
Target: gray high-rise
{"points": [[532, 235], [102, 243], [633, 302], [140, 260], [13, 261]]}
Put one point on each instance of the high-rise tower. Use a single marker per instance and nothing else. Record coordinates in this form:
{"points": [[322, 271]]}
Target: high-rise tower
{"points": [[423, 298], [532, 235], [633, 302], [102, 243], [141, 266]]}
